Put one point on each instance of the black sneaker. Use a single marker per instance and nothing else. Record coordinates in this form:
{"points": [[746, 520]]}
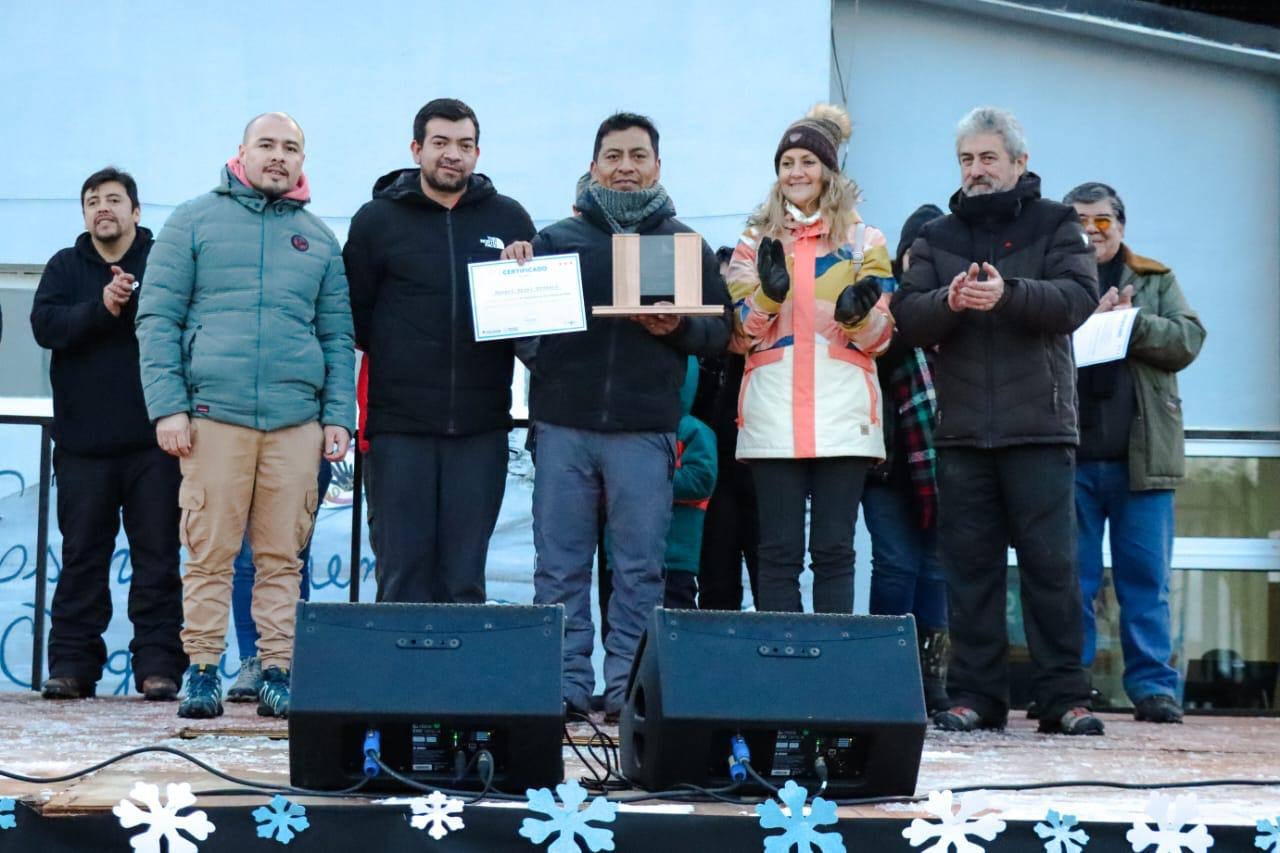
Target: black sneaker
{"points": [[1158, 708], [204, 693], [959, 718], [273, 698], [1076, 721]]}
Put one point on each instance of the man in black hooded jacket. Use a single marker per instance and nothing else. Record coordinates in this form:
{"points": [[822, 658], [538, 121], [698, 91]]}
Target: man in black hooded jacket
{"points": [[106, 458], [998, 287], [438, 402]]}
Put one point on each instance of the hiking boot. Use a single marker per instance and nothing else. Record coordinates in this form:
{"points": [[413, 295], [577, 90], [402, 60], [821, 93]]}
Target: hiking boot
{"points": [[159, 688], [273, 698], [958, 718], [248, 683], [1158, 708], [1076, 721], [68, 687], [204, 693], [935, 652]]}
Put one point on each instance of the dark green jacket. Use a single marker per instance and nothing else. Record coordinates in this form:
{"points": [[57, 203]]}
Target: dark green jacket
{"points": [[245, 317], [1167, 336]]}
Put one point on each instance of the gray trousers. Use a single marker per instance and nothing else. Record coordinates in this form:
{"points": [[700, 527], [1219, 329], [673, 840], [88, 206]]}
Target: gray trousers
{"points": [[577, 475]]}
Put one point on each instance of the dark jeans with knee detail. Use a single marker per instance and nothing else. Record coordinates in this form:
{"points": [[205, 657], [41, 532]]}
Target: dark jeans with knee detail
{"points": [[438, 499], [834, 487], [989, 499]]}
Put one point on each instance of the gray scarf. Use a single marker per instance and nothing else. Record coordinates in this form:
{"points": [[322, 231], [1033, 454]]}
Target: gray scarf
{"points": [[624, 211]]}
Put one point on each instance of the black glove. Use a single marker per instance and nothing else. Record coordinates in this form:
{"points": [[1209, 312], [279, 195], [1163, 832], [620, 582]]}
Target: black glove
{"points": [[771, 264], [856, 300]]}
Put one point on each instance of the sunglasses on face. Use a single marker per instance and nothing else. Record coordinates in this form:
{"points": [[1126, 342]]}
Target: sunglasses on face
{"points": [[1102, 223]]}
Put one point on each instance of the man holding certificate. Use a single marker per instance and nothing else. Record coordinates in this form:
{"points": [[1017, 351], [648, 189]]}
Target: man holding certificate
{"points": [[605, 404], [439, 402], [1131, 454]]}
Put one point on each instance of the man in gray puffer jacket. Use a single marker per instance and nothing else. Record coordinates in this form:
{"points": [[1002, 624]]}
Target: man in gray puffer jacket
{"points": [[248, 372]]}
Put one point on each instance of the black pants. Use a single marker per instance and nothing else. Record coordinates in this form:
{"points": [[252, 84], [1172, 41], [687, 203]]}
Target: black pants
{"points": [[679, 590], [437, 502], [834, 487], [92, 492], [989, 499], [730, 535]]}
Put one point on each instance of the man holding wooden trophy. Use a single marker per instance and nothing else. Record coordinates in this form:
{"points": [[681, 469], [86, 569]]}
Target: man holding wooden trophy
{"points": [[604, 401]]}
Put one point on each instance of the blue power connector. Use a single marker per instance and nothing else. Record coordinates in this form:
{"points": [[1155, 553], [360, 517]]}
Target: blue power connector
{"points": [[741, 753], [372, 748]]}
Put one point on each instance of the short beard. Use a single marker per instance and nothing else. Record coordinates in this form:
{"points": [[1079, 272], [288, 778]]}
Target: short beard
{"points": [[444, 186]]}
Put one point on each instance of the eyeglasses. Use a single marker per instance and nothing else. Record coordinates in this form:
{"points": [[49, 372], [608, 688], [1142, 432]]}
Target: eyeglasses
{"points": [[1102, 223]]}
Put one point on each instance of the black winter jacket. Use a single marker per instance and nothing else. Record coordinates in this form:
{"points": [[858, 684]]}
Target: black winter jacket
{"points": [[1007, 376], [406, 258], [98, 407], [615, 376]]}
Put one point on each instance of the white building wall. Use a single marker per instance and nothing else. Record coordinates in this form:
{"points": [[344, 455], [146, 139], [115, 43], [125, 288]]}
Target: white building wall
{"points": [[1191, 145]]}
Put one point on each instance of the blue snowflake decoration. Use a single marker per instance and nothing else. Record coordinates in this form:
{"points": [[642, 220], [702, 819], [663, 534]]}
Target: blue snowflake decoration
{"points": [[801, 832], [7, 819], [568, 821], [280, 819], [1268, 839], [1061, 834]]}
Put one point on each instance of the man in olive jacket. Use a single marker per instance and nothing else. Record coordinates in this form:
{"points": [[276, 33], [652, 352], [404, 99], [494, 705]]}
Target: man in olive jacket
{"points": [[248, 372], [999, 286], [1131, 454]]}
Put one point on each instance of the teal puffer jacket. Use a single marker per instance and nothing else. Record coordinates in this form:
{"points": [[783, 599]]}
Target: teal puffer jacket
{"points": [[245, 317]]}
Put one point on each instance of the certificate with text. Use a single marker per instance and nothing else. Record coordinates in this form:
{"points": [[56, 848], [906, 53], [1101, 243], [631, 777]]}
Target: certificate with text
{"points": [[541, 297], [1104, 337]]}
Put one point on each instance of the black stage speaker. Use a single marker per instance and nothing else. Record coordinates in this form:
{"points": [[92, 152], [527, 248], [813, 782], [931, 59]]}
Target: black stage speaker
{"points": [[797, 687], [438, 683]]}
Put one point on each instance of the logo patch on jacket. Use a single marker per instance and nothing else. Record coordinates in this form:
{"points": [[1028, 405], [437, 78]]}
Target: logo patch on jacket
{"points": [[493, 243], [300, 243], [202, 409]]}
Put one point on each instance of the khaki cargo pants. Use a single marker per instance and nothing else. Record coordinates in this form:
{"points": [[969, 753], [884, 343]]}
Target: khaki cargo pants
{"points": [[237, 478]]}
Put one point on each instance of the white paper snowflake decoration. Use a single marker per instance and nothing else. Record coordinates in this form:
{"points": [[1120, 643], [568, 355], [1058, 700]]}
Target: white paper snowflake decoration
{"points": [[7, 818], [801, 832], [955, 827], [1268, 840], [163, 820], [281, 819], [437, 814], [1061, 834], [1170, 816], [568, 821]]}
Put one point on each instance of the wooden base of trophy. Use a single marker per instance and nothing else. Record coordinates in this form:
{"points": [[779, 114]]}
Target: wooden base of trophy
{"points": [[686, 298]]}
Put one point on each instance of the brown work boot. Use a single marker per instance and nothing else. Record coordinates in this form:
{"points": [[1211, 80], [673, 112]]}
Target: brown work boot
{"points": [[68, 687], [159, 688]]}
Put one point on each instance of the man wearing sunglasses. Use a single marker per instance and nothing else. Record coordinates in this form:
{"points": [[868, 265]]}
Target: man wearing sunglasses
{"points": [[1131, 454]]}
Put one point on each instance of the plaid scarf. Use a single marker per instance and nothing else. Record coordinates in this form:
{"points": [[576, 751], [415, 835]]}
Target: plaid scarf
{"points": [[916, 409]]}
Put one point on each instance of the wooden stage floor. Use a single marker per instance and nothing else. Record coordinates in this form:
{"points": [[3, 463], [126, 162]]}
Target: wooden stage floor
{"points": [[39, 738]]}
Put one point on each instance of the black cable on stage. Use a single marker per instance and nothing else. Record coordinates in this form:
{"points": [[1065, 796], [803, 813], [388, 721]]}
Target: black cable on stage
{"points": [[681, 792]]}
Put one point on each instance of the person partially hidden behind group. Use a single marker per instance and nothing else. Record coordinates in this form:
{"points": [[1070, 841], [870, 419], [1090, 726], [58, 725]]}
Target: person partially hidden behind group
{"points": [[810, 283]]}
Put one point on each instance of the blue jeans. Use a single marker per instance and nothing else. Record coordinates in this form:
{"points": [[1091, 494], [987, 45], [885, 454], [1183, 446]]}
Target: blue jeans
{"points": [[574, 470], [242, 579], [906, 567], [1141, 550]]}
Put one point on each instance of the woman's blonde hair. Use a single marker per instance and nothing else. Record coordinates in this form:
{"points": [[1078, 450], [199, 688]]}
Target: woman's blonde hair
{"points": [[840, 195]]}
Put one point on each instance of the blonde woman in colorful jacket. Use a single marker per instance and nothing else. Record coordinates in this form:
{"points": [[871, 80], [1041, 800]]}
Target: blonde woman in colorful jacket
{"points": [[810, 283]]}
